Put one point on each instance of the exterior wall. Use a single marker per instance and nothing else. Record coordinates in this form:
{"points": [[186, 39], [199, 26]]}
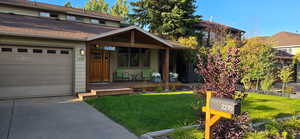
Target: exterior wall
{"points": [[79, 78], [112, 23], [18, 10], [154, 65]]}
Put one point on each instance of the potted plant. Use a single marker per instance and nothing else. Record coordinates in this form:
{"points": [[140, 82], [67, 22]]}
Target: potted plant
{"points": [[156, 77], [173, 77]]}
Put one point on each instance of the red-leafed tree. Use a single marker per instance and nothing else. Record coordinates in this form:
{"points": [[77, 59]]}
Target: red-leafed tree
{"points": [[221, 74]]}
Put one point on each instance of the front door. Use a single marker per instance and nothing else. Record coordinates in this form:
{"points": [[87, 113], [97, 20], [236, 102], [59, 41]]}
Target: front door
{"points": [[99, 65]]}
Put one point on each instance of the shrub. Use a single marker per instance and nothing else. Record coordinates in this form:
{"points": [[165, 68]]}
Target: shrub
{"points": [[285, 76], [284, 129], [257, 135], [267, 83], [246, 80], [192, 133], [173, 88], [289, 89], [235, 128]]}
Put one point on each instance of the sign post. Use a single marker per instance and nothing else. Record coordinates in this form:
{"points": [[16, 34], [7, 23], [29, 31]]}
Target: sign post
{"points": [[217, 108]]}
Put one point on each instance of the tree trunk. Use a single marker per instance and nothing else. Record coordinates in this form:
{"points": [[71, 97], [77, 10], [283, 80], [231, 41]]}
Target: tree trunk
{"points": [[283, 87], [257, 84]]}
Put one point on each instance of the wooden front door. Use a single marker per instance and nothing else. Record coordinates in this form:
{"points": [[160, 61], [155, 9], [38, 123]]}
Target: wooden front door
{"points": [[99, 65]]}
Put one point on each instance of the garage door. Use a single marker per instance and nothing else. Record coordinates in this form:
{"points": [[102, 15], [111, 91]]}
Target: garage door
{"points": [[35, 72]]}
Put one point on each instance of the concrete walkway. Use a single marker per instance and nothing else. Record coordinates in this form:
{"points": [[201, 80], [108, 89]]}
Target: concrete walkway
{"points": [[56, 118]]}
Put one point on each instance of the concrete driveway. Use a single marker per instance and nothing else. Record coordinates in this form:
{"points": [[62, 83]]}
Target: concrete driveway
{"points": [[56, 118]]}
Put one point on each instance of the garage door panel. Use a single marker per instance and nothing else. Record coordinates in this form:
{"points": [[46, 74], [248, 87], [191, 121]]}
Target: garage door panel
{"points": [[38, 91], [27, 74]]}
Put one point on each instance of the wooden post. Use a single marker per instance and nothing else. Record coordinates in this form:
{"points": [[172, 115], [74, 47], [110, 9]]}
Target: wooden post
{"points": [[87, 62], [132, 38], [207, 116], [166, 68]]}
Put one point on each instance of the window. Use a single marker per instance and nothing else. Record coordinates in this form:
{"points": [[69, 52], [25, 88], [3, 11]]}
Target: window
{"points": [[123, 57], [102, 21], [54, 15], [51, 51], [145, 54], [81, 19], [22, 50], [95, 21], [64, 52], [37, 51], [45, 14], [6, 49], [70, 17], [133, 57]]}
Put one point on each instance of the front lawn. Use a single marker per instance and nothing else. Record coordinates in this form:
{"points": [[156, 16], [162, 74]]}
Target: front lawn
{"points": [[151, 112]]}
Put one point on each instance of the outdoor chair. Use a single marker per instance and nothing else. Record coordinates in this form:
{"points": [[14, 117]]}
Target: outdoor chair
{"points": [[121, 75], [147, 74]]}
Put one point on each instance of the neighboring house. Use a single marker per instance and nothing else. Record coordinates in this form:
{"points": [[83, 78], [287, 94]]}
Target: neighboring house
{"points": [[287, 45], [49, 50], [212, 32]]}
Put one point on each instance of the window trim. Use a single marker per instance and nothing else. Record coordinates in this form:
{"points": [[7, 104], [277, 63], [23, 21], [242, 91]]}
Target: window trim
{"points": [[140, 62], [44, 14]]}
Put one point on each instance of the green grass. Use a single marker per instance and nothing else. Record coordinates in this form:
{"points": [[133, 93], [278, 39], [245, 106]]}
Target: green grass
{"points": [[151, 112]]}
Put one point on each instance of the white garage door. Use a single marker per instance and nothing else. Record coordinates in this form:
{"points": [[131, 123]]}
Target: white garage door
{"points": [[35, 72]]}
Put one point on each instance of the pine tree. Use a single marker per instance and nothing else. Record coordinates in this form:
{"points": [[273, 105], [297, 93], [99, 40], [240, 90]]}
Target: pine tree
{"points": [[168, 18], [120, 8], [68, 4], [97, 5]]}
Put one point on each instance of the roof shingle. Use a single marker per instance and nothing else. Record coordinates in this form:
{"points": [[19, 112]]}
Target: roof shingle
{"points": [[29, 25]]}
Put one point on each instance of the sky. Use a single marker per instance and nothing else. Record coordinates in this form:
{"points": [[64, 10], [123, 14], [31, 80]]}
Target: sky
{"points": [[256, 17]]}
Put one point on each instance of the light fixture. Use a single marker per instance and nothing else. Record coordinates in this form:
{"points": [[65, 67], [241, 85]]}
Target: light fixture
{"points": [[82, 52]]}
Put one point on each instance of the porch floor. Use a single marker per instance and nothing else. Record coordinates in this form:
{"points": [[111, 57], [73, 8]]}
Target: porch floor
{"points": [[133, 85]]}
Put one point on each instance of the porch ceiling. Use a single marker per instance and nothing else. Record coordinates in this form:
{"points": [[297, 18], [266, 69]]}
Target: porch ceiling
{"points": [[130, 37]]}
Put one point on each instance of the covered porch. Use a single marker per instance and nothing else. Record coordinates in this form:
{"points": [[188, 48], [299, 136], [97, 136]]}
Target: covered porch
{"points": [[125, 57]]}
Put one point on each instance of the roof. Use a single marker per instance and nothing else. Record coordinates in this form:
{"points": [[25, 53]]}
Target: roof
{"points": [[19, 25], [128, 29], [50, 7], [283, 39], [283, 54], [41, 27], [206, 23]]}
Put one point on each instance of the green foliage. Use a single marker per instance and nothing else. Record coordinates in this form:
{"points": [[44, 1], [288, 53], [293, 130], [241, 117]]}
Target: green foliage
{"points": [[246, 80], [258, 59], [167, 18], [97, 5], [284, 129], [267, 83], [68, 4], [191, 133], [289, 89], [223, 47], [296, 58], [173, 88], [285, 75], [257, 135], [191, 54], [120, 8]]}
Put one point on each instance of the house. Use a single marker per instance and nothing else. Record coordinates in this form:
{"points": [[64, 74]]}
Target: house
{"points": [[50, 50], [287, 45], [212, 32]]}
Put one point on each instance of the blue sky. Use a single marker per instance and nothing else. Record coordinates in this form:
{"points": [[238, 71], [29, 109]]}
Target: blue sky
{"points": [[256, 17]]}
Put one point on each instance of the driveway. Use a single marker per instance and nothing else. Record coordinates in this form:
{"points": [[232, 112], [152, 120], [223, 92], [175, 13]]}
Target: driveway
{"points": [[56, 118]]}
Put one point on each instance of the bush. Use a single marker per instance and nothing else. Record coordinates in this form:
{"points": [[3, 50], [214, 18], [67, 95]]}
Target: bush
{"points": [[159, 89], [267, 83], [289, 89], [257, 135], [236, 128], [284, 129], [192, 133]]}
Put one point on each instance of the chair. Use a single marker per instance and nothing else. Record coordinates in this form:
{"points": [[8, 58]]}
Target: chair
{"points": [[147, 74], [121, 75]]}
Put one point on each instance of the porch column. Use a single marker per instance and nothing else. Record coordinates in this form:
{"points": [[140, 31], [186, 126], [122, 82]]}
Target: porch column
{"points": [[87, 54], [166, 68]]}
